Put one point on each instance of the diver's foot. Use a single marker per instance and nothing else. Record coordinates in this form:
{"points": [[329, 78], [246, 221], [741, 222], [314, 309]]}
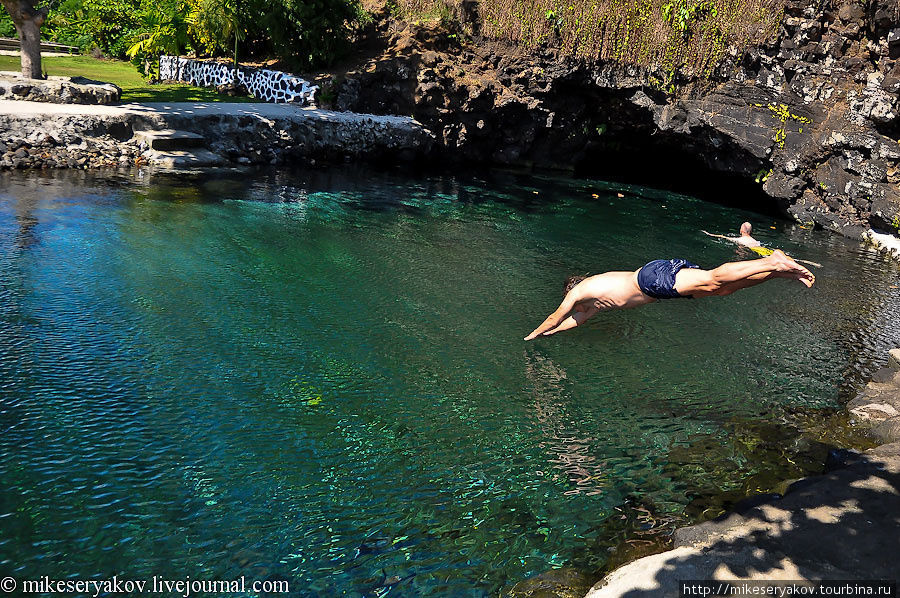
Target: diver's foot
{"points": [[792, 269]]}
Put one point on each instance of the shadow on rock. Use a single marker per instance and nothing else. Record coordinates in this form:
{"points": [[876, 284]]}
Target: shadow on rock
{"points": [[840, 526]]}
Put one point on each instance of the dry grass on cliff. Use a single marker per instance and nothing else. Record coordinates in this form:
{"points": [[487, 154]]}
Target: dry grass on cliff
{"points": [[690, 36]]}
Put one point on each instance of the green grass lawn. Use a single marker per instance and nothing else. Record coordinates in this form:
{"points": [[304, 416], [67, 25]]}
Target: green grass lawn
{"points": [[123, 74]]}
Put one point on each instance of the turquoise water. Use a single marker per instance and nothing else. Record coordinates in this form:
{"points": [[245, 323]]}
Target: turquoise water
{"points": [[320, 377]]}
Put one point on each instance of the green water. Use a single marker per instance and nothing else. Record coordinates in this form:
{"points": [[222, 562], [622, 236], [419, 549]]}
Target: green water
{"points": [[320, 377]]}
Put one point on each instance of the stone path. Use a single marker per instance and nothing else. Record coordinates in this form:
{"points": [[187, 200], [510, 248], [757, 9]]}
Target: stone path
{"points": [[43, 54], [200, 109]]}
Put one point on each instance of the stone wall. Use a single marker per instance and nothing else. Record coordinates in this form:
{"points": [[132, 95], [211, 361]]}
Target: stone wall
{"points": [[268, 134], [265, 84]]}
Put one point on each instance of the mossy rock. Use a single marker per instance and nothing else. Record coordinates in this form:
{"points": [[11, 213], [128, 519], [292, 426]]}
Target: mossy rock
{"points": [[556, 583], [887, 431]]}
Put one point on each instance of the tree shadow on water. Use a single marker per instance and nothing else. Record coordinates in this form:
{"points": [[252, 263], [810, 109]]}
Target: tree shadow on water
{"points": [[844, 525]]}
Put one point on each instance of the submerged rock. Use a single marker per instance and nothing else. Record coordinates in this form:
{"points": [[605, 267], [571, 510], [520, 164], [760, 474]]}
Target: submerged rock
{"points": [[894, 359], [887, 431], [556, 583], [877, 407], [840, 525]]}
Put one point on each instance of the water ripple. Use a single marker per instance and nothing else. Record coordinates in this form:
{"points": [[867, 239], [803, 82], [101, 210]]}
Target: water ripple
{"points": [[320, 378]]}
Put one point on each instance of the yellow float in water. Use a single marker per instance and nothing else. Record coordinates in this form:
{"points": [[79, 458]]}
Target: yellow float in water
{"points": [[763, 251], [766, 252]]}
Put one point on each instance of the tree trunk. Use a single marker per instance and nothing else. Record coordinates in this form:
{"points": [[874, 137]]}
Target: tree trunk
{"points": [[30, 43], [28, 21]]}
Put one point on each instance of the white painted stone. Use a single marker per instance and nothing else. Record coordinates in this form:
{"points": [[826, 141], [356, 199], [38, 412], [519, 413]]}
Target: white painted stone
{"points": [[265, 84], [888, 243]]}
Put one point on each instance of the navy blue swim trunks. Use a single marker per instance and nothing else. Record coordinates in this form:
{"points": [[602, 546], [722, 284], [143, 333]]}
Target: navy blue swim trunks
{"points": [[657, 278]]}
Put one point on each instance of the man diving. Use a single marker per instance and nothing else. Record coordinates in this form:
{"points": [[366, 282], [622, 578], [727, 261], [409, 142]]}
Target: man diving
{"points": [[663, 279]]}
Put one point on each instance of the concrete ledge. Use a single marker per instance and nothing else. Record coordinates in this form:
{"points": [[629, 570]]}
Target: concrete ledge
{"points": [[240, 133], [887, 243]]}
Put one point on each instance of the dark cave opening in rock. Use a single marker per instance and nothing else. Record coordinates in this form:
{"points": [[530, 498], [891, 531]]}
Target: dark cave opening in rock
{"points": [[674, 169], [624, 135]]}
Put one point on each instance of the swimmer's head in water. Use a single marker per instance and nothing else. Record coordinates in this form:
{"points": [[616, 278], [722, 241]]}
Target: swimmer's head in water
{"points": [[571, 282], [746, 228]]}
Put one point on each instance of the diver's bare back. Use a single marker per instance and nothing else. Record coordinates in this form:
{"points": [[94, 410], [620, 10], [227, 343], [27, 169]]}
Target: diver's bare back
{"points": [[613, 290]]}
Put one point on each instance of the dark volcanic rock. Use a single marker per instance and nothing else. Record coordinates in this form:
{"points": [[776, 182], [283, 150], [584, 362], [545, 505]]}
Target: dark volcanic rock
{"points": [[814, 115]]}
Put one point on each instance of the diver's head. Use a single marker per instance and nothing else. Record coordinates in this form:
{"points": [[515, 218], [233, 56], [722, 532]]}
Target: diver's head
{"points": [[571, 282]]}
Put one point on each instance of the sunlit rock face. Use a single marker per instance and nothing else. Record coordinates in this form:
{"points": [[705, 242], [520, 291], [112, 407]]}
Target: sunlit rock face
{"points": [[812, 117]]}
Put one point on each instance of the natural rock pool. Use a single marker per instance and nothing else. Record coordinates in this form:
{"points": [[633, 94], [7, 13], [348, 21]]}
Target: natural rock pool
{"points": [[320, 377]]}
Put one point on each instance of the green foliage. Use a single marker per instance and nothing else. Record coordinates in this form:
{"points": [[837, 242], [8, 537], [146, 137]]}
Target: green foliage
{"points": [[136, 29], [763, 175], [682, 15], [783, 114], [163, 30], [68, 23], [310, 33], [213, 25], [303, 33], [675, 39], [7, 27], [111, 23], [103, 24]]}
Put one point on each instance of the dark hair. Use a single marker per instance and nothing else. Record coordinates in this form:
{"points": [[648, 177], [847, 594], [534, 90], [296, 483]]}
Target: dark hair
{"points": [[571, 282]]}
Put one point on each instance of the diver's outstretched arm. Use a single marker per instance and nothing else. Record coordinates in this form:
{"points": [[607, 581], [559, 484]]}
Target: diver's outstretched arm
{"points": [[576, 319], [557, 317]]}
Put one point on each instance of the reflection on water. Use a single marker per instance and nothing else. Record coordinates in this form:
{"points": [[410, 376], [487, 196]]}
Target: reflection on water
{"points": [[570, 452], [319, 377]]}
